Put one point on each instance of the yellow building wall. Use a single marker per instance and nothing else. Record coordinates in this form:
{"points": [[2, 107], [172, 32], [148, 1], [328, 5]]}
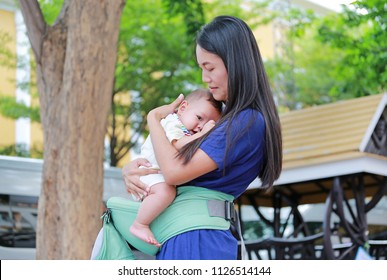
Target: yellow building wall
{"points": [[123, 99], [36, 128], [37, 136], [7, 77], [265, 38], [8, 87]]}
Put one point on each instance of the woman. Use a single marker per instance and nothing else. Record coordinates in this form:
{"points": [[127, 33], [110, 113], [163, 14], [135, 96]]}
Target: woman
{"points": [[245, 143]]}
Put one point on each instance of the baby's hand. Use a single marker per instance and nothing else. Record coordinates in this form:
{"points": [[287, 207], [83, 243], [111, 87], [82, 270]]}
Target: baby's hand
{"points": [[208, 126]]}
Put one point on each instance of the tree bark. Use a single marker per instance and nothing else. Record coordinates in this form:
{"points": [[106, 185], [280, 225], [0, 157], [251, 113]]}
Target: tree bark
{"points": [[75, 69]]}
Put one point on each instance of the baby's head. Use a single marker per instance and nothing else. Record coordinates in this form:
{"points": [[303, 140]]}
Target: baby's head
{"points": [[197, 109]]}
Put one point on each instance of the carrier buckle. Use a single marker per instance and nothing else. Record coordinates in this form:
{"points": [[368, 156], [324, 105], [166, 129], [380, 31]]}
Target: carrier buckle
{"points": [[230, 214]]}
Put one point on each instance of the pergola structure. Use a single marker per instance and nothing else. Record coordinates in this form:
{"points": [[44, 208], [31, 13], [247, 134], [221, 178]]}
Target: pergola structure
{"points": [[334, 154]]}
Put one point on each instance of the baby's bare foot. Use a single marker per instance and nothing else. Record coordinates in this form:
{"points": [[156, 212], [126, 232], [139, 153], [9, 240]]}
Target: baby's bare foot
{"points": [[144, 233]]}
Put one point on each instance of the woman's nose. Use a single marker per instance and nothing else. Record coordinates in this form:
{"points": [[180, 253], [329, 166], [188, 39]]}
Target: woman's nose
{"points": [[205, 78]]}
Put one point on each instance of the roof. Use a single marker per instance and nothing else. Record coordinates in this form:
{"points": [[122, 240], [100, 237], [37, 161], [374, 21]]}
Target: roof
{"points": [[330, 132], [331, 140]]}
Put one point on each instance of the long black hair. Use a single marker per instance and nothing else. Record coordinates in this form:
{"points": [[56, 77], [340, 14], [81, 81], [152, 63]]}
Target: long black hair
{"points": [[232, 40]]}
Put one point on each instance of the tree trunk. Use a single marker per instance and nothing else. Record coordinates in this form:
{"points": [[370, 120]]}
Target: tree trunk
{"points": [[75, 69]]}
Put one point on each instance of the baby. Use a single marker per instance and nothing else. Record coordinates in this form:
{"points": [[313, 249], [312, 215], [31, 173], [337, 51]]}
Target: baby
{"points": [[195, 116]]}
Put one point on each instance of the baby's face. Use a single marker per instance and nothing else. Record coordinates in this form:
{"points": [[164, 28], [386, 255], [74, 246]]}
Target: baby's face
{"points": [[195, 114]]}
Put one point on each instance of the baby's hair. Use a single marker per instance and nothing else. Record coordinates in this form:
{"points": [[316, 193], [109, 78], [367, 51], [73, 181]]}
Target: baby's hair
{"points": [[204, 93]]}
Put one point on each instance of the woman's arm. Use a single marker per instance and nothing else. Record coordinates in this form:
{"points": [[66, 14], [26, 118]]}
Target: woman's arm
{"points": [[175, 173]]}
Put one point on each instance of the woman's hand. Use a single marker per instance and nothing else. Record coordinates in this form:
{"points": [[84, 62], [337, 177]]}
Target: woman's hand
{"points": [[163, 111], [131, 174]]}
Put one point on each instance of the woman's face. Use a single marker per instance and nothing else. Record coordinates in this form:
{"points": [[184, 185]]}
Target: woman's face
{"points": [[214, 73]]}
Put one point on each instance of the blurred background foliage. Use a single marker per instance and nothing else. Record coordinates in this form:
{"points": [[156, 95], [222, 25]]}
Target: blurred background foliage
{"points": [[338, 56]]}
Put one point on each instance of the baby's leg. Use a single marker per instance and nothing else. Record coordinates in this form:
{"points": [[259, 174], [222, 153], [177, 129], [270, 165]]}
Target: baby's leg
{"points": [[159, 198]]}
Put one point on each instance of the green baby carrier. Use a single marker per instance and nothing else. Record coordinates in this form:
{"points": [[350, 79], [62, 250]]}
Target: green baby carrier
{"points": [[193, 208]]}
